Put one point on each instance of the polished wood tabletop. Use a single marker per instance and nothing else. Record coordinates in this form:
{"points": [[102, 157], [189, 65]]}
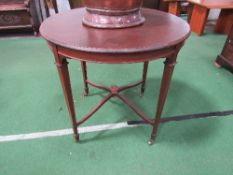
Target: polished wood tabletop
{"points": [[159, 31]]}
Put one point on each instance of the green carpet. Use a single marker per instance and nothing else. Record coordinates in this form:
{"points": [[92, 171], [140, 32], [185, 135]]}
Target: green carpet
{"points": [[31, 100]]}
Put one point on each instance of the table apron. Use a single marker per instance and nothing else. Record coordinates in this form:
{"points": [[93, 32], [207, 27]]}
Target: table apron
{"points": [[116, 58]]}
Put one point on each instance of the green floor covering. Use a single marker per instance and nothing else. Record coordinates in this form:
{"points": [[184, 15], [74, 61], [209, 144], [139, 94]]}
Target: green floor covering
{"points": [[31, 100]]}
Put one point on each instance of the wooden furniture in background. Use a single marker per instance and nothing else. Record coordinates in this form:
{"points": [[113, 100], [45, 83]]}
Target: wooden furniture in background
{"points": [[200, 13], [154, 4], [50, 4], [226, 57], [143, 43], [16, 14], [177, 7], [75, 3], [174, 6]]}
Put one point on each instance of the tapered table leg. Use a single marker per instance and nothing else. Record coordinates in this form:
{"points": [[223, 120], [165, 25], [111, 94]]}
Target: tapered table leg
{"points": [[84, 72], [167, 75], [63, 72], [144, 75]]}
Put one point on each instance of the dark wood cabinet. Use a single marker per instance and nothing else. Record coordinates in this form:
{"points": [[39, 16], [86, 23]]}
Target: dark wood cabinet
{"points": [[225, 59], [16, 14]]}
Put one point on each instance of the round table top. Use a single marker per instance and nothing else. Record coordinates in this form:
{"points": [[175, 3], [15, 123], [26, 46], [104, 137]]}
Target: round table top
{"points": [[160, 30]]}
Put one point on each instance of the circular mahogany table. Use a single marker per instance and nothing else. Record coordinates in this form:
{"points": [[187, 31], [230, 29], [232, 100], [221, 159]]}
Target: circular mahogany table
{"points": [[161, 36]]}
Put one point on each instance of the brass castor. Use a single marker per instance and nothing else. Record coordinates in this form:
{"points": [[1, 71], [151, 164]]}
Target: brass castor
{"points": [[86, 92], [217, 65], [76, 138], [150, 142], [142, 92]]}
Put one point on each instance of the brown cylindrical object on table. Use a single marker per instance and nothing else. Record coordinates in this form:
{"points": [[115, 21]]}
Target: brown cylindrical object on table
{"points": [[113, 13]]}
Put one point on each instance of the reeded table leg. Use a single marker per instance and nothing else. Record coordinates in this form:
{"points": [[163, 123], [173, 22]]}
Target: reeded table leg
{"points": [[170, 63], [84, 72], [63, 72], [144, 75]]}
